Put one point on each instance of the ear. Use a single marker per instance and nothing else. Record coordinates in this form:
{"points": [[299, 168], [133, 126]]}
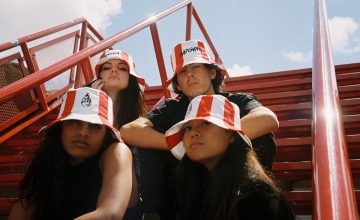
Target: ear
{"points": [[212, 73]]}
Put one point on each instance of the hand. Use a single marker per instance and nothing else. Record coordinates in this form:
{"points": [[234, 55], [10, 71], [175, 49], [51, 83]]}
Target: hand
{"points": [[97, 84]]}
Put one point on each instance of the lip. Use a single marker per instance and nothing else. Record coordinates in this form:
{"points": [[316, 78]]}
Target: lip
{"points": [[191, 83], [195, 145], [81, 144], [114, 77]]}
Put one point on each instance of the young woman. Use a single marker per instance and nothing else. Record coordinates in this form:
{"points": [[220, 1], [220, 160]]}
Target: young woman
{"points": [[219, 176], [116, 75], [81, 170]]}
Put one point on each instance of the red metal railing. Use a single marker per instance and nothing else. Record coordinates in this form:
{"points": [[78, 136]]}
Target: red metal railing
{"points": [[42, 102], [333, 191], [82, 57]]}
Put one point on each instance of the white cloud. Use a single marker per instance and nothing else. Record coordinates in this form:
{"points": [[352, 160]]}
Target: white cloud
{"points": [[298, 57], [342, 33], [236, 70], [23, 17]]}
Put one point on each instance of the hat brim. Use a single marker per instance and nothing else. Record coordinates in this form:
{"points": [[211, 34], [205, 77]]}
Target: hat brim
{"points": [[175, 135], [90, 118], [168, 83]]}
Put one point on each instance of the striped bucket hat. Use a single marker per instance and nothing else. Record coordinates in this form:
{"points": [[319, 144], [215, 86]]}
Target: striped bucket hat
{"points": [[111, 54], [188, 52], [89, 105], [213, 108]]}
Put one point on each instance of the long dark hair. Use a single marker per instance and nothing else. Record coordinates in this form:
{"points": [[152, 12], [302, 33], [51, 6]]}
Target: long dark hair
{"points": [[129, 104], [42, 187], [213, 196], [217, 82]]}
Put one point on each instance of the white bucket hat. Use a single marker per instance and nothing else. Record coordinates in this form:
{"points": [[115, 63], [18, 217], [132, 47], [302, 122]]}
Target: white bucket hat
{"points": [[89, 105], [213, 108], [111, 54], [188, 52]]}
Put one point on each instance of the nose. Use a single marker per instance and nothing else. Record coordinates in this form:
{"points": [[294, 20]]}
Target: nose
{"points": [[189, 73], [83, 130], [194, 133], [113, 69]]}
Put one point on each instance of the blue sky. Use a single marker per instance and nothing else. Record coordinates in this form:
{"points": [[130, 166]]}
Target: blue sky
{"points": [[251, 36]]}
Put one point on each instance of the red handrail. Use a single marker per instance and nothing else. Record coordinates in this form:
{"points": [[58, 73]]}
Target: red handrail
{"points": [[333, 190], [82, 57], [55, 69]]}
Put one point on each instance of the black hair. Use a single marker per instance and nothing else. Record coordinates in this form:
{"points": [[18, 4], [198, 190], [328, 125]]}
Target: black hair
{"points": [[129, 104], [213, 196], [217, 82], [41, 188]]}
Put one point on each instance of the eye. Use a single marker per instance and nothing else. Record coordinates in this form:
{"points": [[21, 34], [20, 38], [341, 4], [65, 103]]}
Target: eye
{"points": [[187, 128], [96, 126], [104, 68], [123, 68], [182, 73], [204, 123]]}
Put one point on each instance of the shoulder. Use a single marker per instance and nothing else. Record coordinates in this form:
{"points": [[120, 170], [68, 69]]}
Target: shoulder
{"points": [[183, 101], [245, 101], [168, 114], [238, 96], [118, 151]]}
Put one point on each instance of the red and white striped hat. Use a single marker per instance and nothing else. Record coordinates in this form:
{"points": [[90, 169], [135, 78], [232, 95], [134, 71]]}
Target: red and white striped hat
{"points": [[188, 52], [213, 108], [89, 105], [111, 54]]}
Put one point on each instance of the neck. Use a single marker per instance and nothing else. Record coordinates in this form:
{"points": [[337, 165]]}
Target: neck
{"points": [[113, 94]]}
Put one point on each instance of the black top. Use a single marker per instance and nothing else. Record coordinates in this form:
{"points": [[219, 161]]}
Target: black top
{"points": [[82, 188], [173, 111], [260, 204], [257, 203]]}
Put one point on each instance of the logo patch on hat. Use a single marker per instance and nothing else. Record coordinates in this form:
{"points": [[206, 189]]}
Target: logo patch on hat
{"points": [[113, 53], [86, 100], [191, 49]]}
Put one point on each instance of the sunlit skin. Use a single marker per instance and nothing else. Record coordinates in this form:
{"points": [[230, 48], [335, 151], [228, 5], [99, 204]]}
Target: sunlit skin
{"points": [[113, 78], [195, 79], [205, 142], [81, 140]]}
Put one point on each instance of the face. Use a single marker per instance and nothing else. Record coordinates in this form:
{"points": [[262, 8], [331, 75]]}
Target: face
{"points": [[81, 140], [115, 75], [195, 79], [205, 142]]}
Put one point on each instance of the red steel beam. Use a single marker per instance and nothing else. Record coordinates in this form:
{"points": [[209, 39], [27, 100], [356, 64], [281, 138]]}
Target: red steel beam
{"points": [[55, 69], [189, 15], [334, 195], [207, 37], [159, 58]]}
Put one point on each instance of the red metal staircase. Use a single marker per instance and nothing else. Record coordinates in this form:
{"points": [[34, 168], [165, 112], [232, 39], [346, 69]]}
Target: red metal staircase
{"points": [[26, 106]]}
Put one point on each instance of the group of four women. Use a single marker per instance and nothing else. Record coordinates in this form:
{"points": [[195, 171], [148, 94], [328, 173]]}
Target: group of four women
{"points": [[83, 170]]}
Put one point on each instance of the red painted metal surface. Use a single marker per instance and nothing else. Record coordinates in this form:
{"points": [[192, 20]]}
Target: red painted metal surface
{"points": [[81, 59], [333, 196], [189, 15], [43, 75], [159, 58]]}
